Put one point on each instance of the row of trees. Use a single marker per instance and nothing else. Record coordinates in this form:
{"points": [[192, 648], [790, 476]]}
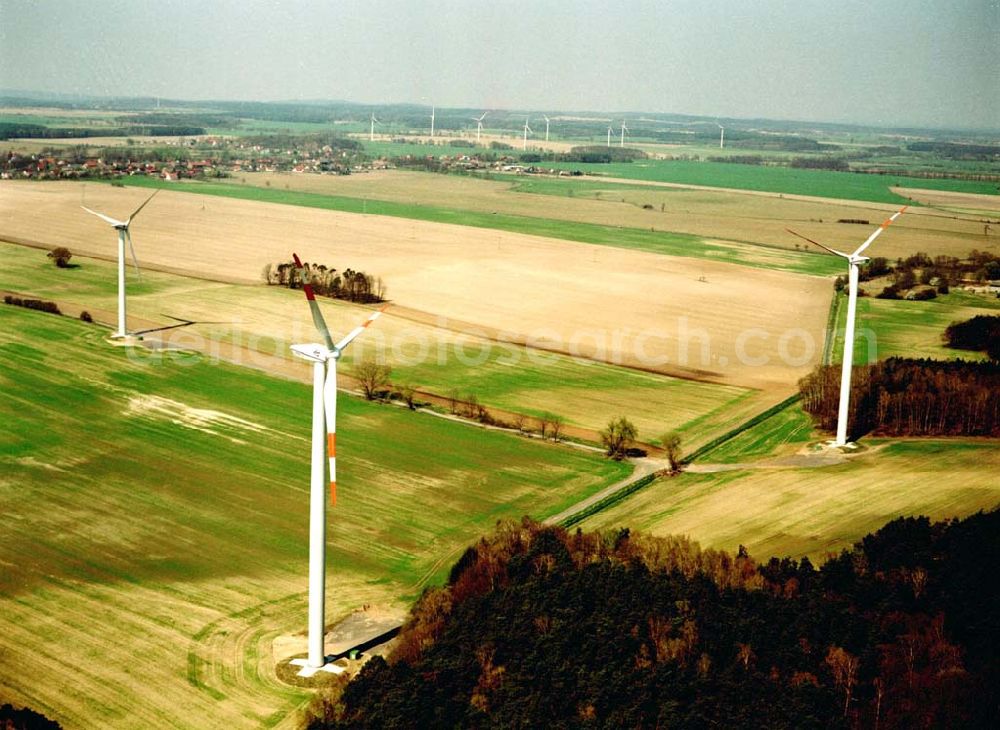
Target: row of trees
{"points": [[353, 286], [619, 629], [904, 397], [921, 268]]}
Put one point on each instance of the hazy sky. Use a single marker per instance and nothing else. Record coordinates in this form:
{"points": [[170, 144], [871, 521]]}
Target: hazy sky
{"points": [[926, 62]]}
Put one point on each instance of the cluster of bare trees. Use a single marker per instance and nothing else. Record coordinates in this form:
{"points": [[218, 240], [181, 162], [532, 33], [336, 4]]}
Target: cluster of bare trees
{"points": [[903, 397], [351, 285]]}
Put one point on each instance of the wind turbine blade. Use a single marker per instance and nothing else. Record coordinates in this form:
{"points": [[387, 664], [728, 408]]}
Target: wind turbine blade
{"points": [[817, 243], [135, 260], [141, 207], [103, 217], [359, 329], [330, 408], [879, 230], [313, 304]]}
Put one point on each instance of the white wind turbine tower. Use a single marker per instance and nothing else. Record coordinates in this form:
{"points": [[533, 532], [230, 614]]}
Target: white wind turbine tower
{"points": [[854, 261], [624, 130], [433, 109], [610, 130], [722, 136], [527, 129], [323, 357], [479, 125], [371, 133], [123, 233], [546, 128]]}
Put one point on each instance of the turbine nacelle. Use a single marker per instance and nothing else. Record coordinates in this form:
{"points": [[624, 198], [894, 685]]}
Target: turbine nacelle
{"points": [[315, 352]]}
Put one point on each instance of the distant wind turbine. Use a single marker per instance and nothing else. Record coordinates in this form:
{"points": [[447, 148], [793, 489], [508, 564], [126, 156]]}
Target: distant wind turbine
{"points": [[432, 120], [854, 261], [479, 125], [123, 233], [371, 133], [324, 449], [546, 128], [609, 135], [722, 137], [624, 130], [527, 129]]}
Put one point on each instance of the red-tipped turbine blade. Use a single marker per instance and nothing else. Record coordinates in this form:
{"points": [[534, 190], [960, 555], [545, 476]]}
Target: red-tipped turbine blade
{"points": [[360, 328], [313, 304], [878, 231], [330, 407]]}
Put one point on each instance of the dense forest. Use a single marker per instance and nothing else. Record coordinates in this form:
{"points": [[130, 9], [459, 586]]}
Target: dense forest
{"points": [[350, 285], [23, 718], [541, 627], [981, 333], [11, 130], [906, 397]]}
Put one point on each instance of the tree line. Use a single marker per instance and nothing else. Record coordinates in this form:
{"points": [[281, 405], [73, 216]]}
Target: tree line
{"points": [[908, 397], [537, 625], [349, 285], [981, 333]]}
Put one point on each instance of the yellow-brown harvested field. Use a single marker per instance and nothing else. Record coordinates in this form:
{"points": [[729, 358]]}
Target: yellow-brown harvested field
{"points": [[738, 215], [815, 511], [697, 318], [965, 202]]}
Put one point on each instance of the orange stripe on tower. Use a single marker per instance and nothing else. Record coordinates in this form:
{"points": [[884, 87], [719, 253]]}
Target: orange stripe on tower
{"points": [[333, 493], [331, 444]]}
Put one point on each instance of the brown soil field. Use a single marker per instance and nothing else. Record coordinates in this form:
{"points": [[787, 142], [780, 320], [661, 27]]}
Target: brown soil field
{"points": [[737, 215], [697, 318], [977, 204]]}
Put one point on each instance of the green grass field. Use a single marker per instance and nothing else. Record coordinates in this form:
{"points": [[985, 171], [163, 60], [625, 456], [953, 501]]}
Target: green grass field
{"points": [[901, 328], [509, 377], [819, 183], [641, 239], [816, 511], [790, 427], [155, 522]]}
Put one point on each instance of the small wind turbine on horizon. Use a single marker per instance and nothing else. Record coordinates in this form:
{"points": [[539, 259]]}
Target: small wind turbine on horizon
{"points": [[123, 232], [527, 129], [433, 109], [722, 137], [610, 130], [324, 357], [624, 130], [546, 128], [479, 125], [371, 133], [855, 260]]}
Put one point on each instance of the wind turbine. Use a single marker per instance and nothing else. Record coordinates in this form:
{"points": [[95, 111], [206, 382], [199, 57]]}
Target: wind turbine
{"points": [[323, 357], [527, 129], [854, 261], [546, 128], [479, 125], [624, 130], [123, 233], [371, 133], [609, 135], [722, 136], [433, 109]]}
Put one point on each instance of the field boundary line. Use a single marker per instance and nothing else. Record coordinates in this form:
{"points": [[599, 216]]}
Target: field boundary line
{"points": [[748, 424]]}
